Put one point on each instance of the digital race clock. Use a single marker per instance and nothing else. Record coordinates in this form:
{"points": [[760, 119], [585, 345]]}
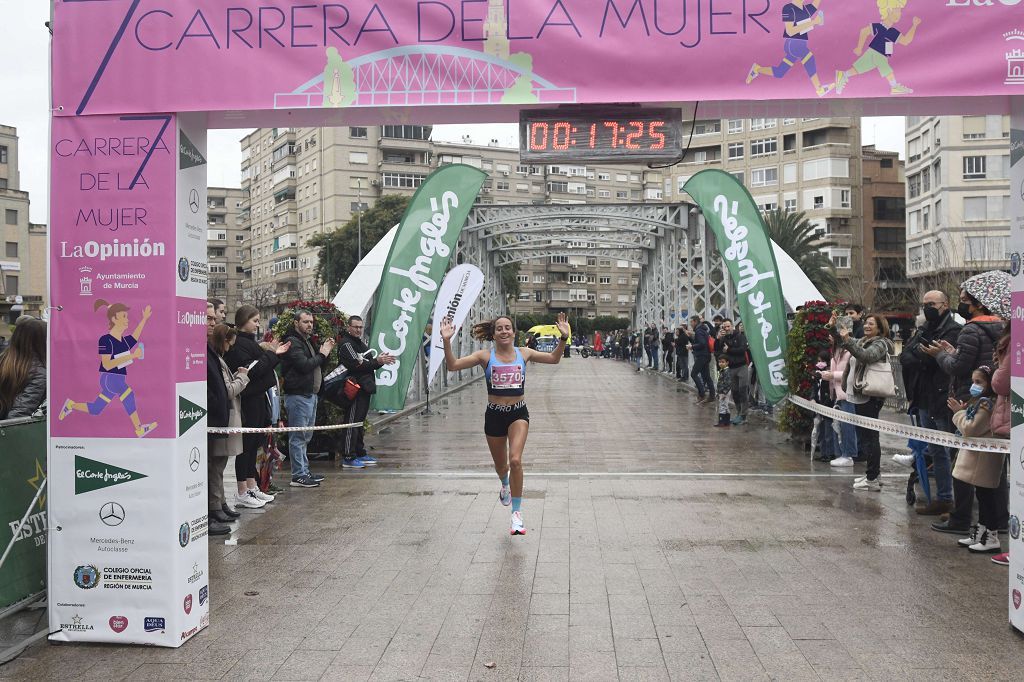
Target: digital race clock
{"points": [[606, 135]]}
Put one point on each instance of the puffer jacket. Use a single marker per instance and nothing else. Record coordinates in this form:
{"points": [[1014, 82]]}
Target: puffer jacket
{"points": [[836, 372], [974, 348], [865, 351], [1000, 423], [32, 395]]}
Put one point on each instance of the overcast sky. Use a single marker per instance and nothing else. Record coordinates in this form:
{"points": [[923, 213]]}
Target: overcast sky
{"points": [[25, 105]]}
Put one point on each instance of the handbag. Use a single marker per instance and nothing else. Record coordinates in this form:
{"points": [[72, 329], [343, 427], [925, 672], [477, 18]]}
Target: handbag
{"points": [[351, 389], [877, 381]]}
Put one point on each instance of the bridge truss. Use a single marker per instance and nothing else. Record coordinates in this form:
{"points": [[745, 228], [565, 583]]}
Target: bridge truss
{"points": [[681, 271]]}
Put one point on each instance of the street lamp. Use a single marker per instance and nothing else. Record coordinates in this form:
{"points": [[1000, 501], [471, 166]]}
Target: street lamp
{"points": [[359, 221]]}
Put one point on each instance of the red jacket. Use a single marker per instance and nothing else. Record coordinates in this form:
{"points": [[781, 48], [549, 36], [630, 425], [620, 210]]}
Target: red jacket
{"points": [[1001, 385]]}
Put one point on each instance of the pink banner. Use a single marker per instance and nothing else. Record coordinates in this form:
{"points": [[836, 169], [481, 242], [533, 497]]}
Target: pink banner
{"points": [[112, 257], [123, 56]]}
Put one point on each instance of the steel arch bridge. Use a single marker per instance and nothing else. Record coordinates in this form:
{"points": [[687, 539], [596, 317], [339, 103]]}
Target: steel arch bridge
{"points": [[680, 268], [429, 75]]}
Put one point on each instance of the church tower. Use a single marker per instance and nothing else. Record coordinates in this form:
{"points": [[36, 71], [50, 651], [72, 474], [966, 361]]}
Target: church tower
{"points": [[496, 30]]}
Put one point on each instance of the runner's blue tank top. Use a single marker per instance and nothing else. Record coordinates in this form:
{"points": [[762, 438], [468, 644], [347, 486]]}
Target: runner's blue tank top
{"points": [[506, 379]]}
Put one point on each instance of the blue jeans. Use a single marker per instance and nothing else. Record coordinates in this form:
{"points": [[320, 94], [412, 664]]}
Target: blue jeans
{"points": [[301, 412], [845, 442], [942, 461]]}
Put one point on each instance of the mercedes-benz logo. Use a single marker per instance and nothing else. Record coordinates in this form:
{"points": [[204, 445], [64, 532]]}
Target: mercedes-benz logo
{"points": [[193, 200], [112, 514], [193, 459]]}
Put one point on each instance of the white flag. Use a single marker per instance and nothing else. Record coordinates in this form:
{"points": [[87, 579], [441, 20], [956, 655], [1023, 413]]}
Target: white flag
{"points": [[459, 291]]}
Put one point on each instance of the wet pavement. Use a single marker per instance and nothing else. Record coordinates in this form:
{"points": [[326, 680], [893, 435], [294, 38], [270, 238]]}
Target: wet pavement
{"points": [[657, 548]]}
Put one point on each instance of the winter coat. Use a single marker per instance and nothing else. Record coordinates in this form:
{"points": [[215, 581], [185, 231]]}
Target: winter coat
{"points": [[1001, 386], [974, 348], [233, 386], [926, 383], [255, 406], [701, 339], [982, 469], [736, 349], [834, 375], [32, 394], [300, 365], [865, 351], [361, 370]]}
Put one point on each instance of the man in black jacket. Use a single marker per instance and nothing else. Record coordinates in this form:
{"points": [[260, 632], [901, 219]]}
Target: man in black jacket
{"points": [[700, 344], [928, 391], [734, 345], [302, 370], [354, 354]]}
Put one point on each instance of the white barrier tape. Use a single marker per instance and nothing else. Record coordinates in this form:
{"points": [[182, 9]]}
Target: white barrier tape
{"points": [[949, 440], [280, 429]]}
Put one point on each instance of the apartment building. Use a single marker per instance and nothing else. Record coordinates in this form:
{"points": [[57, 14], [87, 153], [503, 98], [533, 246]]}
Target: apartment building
{"points": [[958, 198], [23, 262], [798, 164], [884, 282], [227, 244]]}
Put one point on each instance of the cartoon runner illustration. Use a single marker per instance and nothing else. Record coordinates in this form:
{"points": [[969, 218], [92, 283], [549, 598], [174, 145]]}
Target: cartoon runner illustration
{"points": [[117, 350], [884, 37], [339, 81], [799, 18]]}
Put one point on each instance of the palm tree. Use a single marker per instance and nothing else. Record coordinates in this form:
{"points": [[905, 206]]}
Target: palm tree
{"points": [[795, 235]]}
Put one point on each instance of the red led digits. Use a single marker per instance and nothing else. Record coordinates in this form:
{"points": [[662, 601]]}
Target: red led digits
{"points": [[536, 128], [593, 135], [638, 131], [614, 127], [659, 136], [561, 128]]}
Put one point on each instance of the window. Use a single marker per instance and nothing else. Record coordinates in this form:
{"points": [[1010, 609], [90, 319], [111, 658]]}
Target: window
{"points": [[622, 281], [735, 125], [503, 185], [239, 237], [974, 127], [763, 147], [402, 180], [523, 279], [975, 208], [604, 176], [621, 194], [358, 157], [974, 168], [605, 298], [840, 258], [826, 168], [3, 153], [990, 248], [408, 132], [11, 281], [738, 175], [538, 279], [885, 163], [11, 249], [605, 279], [525, 296], [844, 198], [818, 201], [789, 205], [925, 217], [522, 186], [3, 183], [357, 133], [761, 177], [621, 177], [762, 123], [926, 180], [890, 239], [558, 187], [560, 260], [735, 150], [914, 222], [789, 173], [890, 208], [538, 296], [604, 194], [11, 216], [914, 185], [938, 213]]}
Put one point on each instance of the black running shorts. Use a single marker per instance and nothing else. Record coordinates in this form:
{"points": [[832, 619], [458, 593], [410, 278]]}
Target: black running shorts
{"points": [[498, 418]]}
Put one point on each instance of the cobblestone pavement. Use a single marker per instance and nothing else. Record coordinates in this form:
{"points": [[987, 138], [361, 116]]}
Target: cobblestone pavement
{"points": [[657, 548]]}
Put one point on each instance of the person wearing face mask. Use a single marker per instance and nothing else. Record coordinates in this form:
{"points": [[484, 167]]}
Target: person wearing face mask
{"points": [[985, 304], [928, 392]]}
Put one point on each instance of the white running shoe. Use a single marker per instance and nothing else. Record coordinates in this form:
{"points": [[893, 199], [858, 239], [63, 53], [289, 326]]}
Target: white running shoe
{"points": [[904, 460], [517, 527], [505, 495], [249, 501], [260, 495], [865, 484], [841, 462]]}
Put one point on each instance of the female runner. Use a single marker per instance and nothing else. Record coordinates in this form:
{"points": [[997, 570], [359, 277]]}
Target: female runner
{"points": [[506, 420]]}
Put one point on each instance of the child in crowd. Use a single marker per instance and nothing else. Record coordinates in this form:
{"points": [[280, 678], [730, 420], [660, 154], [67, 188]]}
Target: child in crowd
{"points": [[822, 394], [724, 385], [983, 470]]}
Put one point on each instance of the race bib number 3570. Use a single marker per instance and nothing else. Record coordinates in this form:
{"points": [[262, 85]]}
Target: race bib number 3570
{"points": [[506, 376]]}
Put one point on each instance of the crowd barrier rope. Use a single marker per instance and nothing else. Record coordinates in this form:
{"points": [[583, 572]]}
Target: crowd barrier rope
{"points": [[949, 440]]}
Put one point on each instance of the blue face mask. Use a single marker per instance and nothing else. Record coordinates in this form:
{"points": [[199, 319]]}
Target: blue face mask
{"points": [[977, 390]]}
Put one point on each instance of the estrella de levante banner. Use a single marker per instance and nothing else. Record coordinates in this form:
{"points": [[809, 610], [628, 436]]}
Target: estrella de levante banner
{"points": [[478, 56], [22, 474], [415, 266], [743, 241]]}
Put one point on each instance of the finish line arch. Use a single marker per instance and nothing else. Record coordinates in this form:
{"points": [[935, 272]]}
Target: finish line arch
{"points": [[136, 84]]}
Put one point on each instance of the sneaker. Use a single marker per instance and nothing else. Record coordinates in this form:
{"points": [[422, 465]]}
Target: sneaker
{"points": [[260, 495], [317, 477], [947, 527], [274, 489], [972, 537], [904, 460], [367, 461], [752, 74], [867, 485], [306, 481], [1002, 559], [900, 90], [145, 429], [352, 463], [988, 542], [65, 410], [841, 462], [825, 89], [841, 80], [517, 527], [738, 420], [249, 501], [505, 495]]}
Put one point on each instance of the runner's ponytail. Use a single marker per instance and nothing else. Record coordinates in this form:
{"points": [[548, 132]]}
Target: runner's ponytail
{"points": [[484, 331]]}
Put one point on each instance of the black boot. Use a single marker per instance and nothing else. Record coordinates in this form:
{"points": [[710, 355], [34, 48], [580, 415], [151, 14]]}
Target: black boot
{"points": [[228, 511]]}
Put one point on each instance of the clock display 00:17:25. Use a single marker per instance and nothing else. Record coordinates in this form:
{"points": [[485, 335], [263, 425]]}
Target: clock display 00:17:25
{"points": [[608, 134]]}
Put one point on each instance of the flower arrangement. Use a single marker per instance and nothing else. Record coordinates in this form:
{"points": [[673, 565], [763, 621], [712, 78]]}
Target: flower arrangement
{"points": [[807, 337], [328, 321]]}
